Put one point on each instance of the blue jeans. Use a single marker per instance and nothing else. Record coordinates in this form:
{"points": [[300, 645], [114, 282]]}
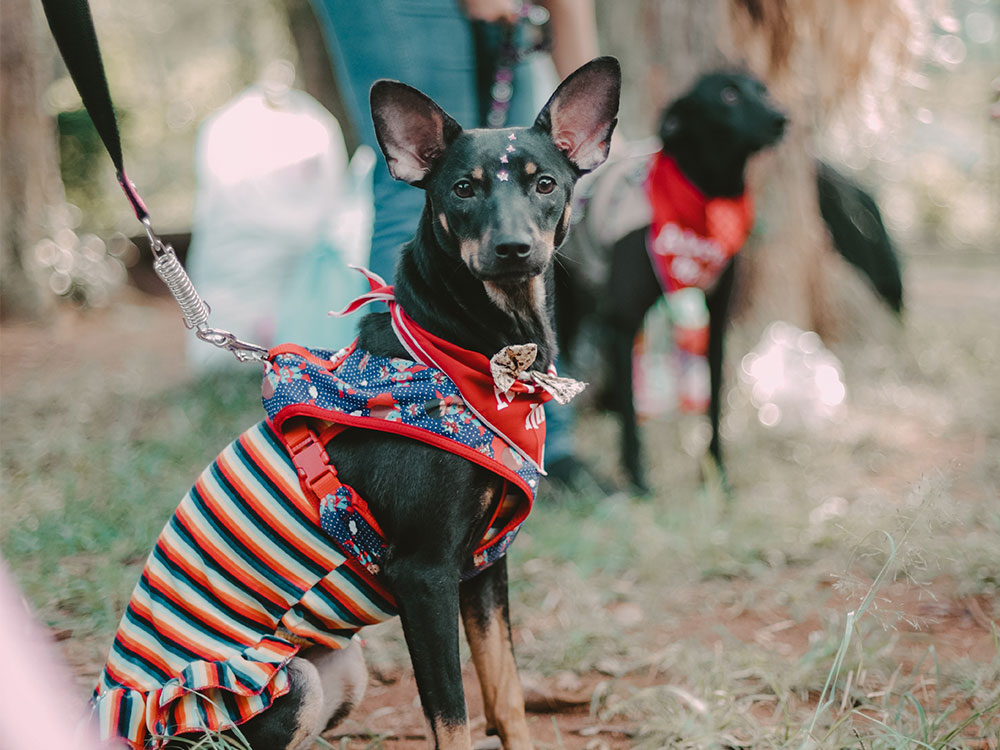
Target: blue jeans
{"points": [[430, 45]]}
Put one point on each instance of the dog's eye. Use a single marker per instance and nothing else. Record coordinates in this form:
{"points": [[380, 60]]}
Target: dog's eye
{"points": [[545, 185], [463, 189], [730, 95]]}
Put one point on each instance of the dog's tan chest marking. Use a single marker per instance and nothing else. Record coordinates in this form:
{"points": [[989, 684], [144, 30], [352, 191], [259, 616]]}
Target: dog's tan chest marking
{"points": [[487, 498], [499, 297], [500, 510], [538, 297], [523, 300]]}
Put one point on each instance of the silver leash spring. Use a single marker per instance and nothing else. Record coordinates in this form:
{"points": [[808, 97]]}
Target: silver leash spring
{"points": [[194, 308], [170, 270]]}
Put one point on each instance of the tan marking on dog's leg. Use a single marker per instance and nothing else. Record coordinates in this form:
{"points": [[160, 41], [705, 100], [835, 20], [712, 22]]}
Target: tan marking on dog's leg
{"points": [[309, 690], [503, 699], [530, 167], [477, 173], [447, 736], [444, 222]]}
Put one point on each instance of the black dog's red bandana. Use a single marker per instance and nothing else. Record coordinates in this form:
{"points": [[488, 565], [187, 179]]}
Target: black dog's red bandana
{"points": [[501, 391], [691, 237]]}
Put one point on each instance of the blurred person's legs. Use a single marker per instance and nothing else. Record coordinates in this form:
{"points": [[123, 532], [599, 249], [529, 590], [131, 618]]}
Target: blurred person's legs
{"points": [[560, 446], [428, 44]]}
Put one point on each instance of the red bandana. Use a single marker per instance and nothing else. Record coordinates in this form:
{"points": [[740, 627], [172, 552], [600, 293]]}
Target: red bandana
{"points": [[516, 414], [692, 237]]}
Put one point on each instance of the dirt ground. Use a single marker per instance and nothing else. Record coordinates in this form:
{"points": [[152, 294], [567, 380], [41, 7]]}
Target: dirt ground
{"points": [[560, 706], [561, 715]]}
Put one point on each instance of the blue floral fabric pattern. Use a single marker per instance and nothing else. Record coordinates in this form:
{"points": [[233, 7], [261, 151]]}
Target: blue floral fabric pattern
{"points": [[341, 518]]}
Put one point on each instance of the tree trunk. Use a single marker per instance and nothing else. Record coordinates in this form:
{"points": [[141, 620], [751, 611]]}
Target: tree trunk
{"points": [[663, 46], [29, 174], [815, 57]]}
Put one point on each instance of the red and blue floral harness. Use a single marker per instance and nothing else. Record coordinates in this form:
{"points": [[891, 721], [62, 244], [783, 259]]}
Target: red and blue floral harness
{"points": [[447, 397]]}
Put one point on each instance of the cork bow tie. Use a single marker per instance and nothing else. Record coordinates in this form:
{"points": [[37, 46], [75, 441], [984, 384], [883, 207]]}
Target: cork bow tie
{"points": [[511, 364]]}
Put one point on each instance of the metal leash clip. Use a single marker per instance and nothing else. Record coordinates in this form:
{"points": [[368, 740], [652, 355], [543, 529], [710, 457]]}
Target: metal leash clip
{"points": [[194, 308], [242, 350]]}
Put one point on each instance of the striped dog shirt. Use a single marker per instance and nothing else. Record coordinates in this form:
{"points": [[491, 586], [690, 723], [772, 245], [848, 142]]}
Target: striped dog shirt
{"points": [[243, 555]]}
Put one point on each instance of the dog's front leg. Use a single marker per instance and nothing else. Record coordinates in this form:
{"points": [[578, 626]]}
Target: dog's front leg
{"points": [[426, 596], [485, 613], [717, 301], [632, 288], [621, 354]]}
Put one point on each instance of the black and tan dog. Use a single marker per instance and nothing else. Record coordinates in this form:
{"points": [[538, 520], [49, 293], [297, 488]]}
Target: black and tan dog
{"points": [[710, 133], [478, 275]]}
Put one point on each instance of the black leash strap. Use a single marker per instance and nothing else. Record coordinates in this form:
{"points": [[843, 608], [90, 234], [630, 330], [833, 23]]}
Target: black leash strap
{"points": [[73, 28]]}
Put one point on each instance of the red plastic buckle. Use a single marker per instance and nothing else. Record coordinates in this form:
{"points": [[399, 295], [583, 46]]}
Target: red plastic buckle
{"points": [[312, 463]]}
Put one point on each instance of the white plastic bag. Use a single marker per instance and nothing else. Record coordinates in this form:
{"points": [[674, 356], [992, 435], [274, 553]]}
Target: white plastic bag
{"points": [[272, 184]]}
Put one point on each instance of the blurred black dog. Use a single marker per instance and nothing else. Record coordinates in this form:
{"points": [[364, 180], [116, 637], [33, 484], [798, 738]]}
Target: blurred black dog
{"points": [[608, 281], [707, 137]]}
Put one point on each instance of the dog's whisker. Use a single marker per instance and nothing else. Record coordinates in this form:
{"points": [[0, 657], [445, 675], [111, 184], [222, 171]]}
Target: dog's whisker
{"points": [[564, 261]]}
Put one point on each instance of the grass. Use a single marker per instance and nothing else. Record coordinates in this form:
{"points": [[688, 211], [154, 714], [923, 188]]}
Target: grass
{"points": [[831, 604], [93, 480]]}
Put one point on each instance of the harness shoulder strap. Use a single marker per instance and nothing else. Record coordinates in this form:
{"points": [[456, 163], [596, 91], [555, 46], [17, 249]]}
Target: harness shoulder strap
{"points": [[320, 483]]}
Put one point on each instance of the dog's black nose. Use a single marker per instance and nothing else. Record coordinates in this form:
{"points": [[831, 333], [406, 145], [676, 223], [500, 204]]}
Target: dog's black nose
{"points": [[512, 249]]}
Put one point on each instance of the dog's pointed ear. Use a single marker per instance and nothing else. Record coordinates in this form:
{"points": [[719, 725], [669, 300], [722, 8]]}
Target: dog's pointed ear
{"points": [[582, 113], [412, 130]]}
